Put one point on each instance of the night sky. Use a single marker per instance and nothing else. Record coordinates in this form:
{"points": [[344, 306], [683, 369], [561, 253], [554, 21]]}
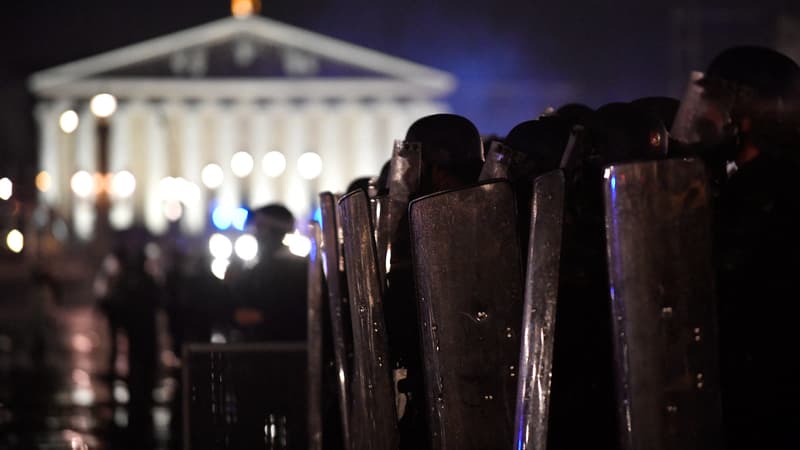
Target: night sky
{"points": [[512, 58]]}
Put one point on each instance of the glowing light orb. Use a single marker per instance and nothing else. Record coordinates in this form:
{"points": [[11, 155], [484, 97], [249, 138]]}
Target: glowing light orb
{"points": [[212, 176], [44, 181], [123, 184], [82, 184], [103, 105], [246, 247], [309, 165], [273, 164], [298, 244], [68, 121], [241, 164], [6, 188], [220, 246], [15, 241], [219, 267]]}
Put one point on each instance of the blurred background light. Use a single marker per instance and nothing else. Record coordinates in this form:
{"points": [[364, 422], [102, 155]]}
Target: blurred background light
{"points": [[121, 216], [220, 246], [241, 164], [309, 165], [103, 105], [298, 244], [15, 241], [273, 164], [173, 210], [239, 218], [187, 191], [219, 267], [82, 184], [43, 181], [6, 188], [123, 184], [212, 176], [246, 247], [68, 121], [244, 8], [222, 217], [168, 188]]}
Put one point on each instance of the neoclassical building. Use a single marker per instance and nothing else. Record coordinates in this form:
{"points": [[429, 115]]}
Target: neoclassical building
{"points": [[236, 112]]}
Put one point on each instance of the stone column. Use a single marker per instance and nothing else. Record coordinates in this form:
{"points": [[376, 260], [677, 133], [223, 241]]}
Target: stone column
{"points": [[156, 169], [83, 210]]}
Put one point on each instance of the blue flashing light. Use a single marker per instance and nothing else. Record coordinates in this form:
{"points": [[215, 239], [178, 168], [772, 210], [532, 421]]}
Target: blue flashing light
{"points": [[317, 215], [221, 218], [614, 184], [239, 218]]}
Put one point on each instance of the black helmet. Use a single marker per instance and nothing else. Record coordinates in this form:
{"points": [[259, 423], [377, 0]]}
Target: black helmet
{"points": [[447, 140], [542, 141], [764, 71], [665, 108], [751, 80]]}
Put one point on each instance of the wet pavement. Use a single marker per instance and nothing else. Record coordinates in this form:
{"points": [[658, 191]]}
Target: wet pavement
{"points": [[57, 390]]}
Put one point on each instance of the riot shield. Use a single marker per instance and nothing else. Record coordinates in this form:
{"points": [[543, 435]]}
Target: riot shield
{"points": [[372, 387], [379, 207], [467, 268], [498, 162], [690, 124], [404, 182], [333, 269], [402, 326], [315, 343], [539, 317], [664, 318]]}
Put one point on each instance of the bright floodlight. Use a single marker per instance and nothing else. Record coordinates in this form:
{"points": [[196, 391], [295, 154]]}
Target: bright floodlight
{"points": [[246, 247], [219, 267], [212, 176], [220, 246], [241, 164], [15, 241], [123, 184], [6, 188], [82, 184], [43, 181], [298, 244], [68, 121], [273, 164], [309, 165], [103, 105]]}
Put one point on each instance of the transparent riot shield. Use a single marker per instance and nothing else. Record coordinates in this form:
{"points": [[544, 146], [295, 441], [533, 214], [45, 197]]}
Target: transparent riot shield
{"points": [[539, 317], [315, 343], [467, 268], [372, 387], [379, 207], [405, 173], [498, 162], [333, 269], [664, 317]]}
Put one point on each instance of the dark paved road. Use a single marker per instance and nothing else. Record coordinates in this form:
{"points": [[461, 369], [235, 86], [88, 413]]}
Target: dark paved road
{"points": [[56, 391]]}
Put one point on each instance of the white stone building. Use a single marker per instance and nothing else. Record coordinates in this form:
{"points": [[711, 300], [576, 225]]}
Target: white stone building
{"points": [[199, 96]]}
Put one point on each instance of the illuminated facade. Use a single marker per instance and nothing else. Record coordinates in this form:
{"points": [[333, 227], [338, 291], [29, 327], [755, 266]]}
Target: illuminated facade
{"points": [[242, 111]]}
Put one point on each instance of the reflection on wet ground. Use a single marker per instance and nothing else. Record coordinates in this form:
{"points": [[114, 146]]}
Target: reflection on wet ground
{"points": [[56, 387]]}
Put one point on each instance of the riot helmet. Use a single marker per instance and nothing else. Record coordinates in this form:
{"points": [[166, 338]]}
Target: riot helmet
{"points": [[452, 150]]}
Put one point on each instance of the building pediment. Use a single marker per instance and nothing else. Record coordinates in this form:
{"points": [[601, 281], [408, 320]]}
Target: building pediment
{"points": [[251, 57]]}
